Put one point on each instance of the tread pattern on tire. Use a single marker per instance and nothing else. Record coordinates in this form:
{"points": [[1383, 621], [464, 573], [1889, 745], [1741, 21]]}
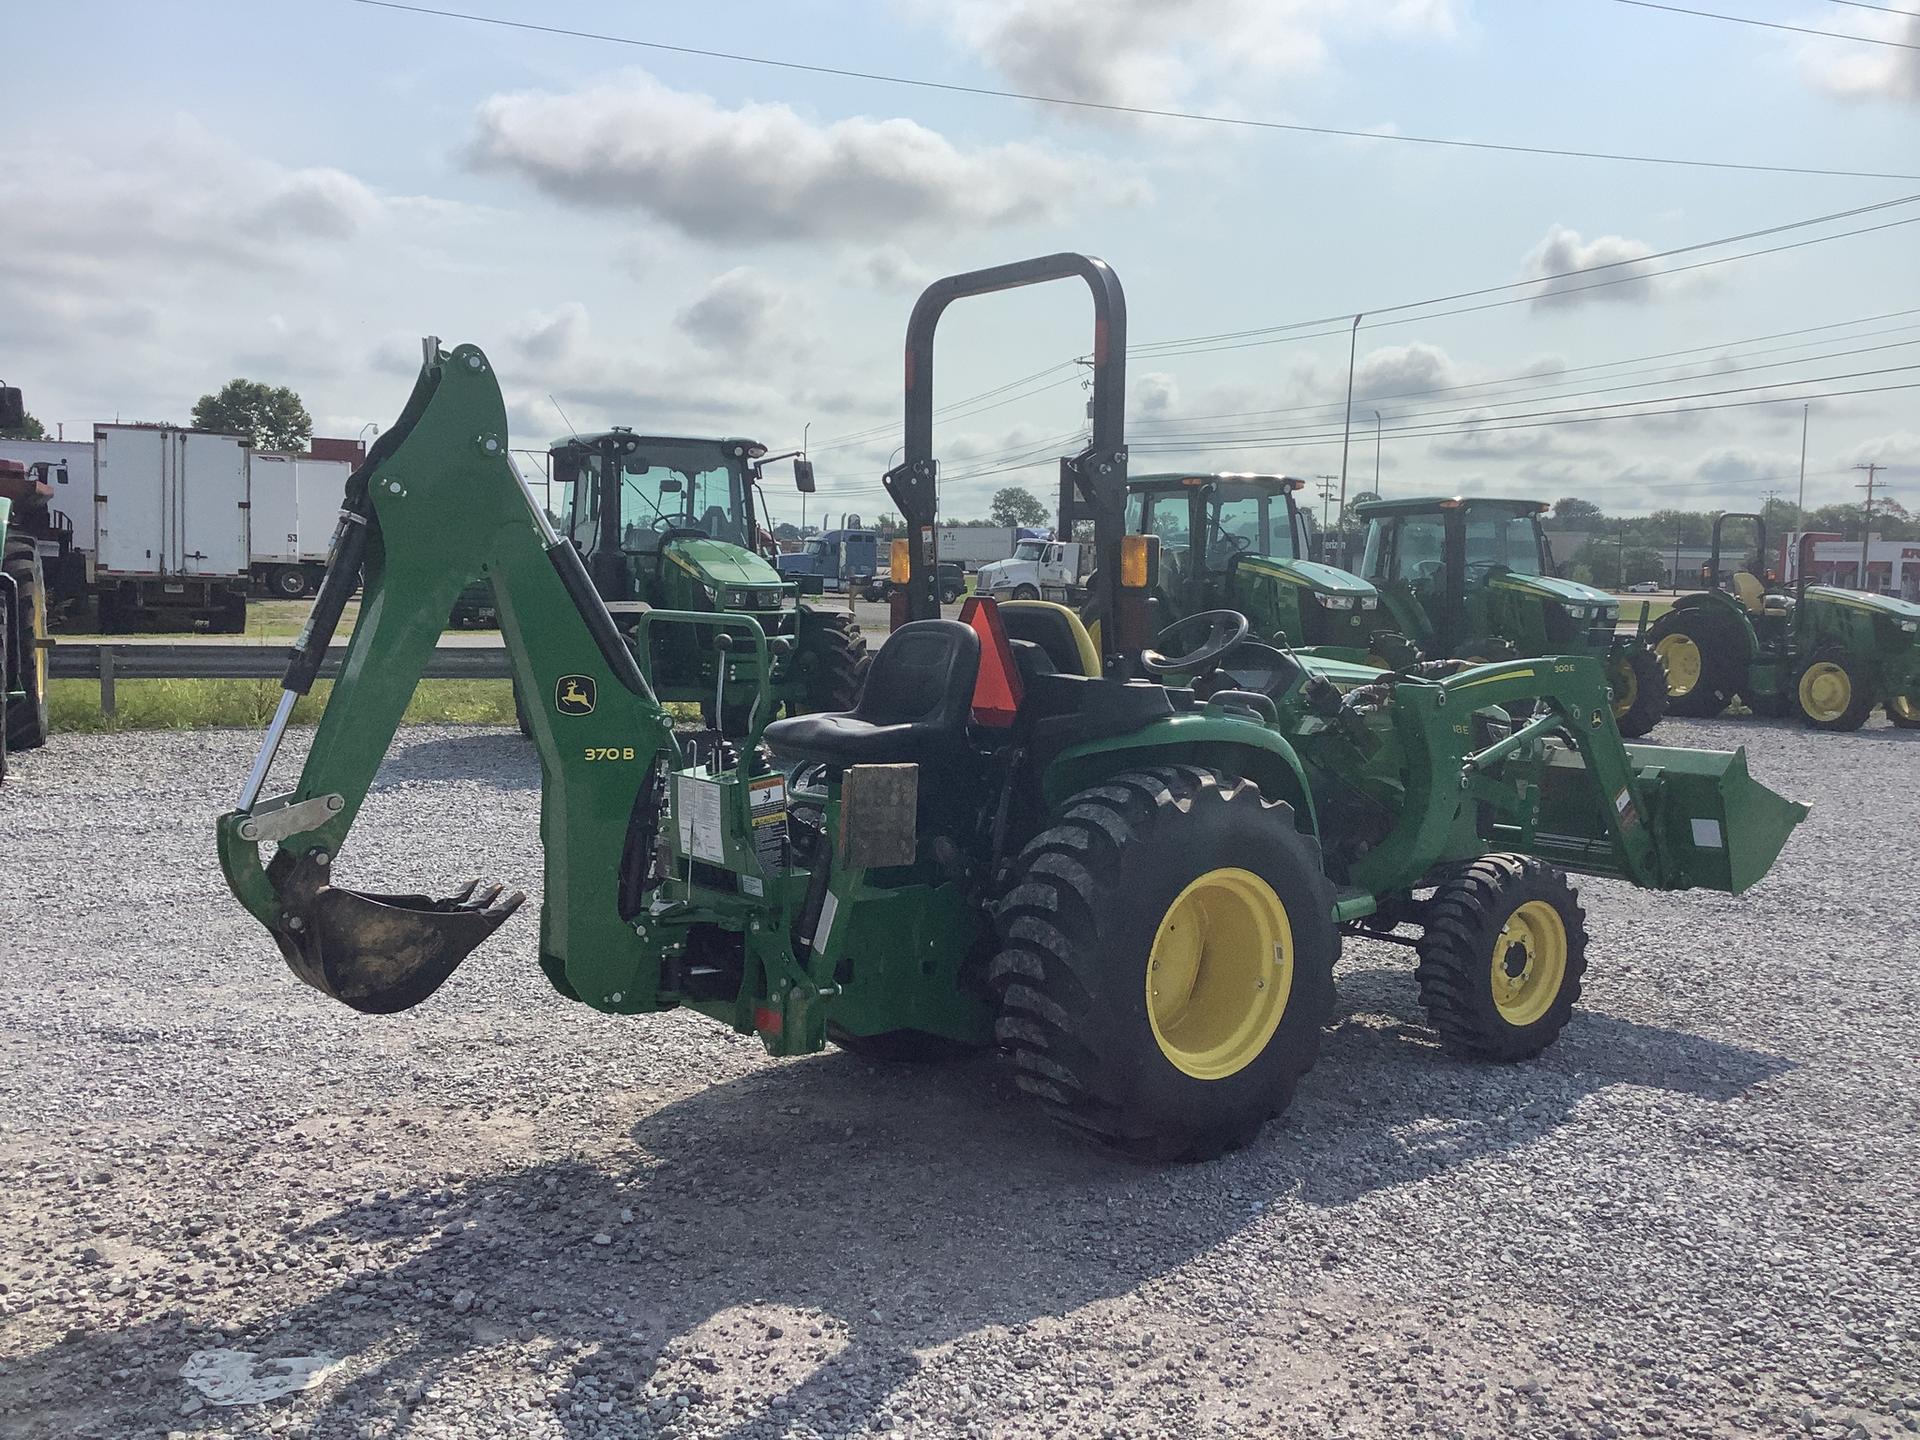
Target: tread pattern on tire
{"points": [[1456, 957], [1650, 698], [1721, 671], [25, 724], [835, 651], [1048, 937]]}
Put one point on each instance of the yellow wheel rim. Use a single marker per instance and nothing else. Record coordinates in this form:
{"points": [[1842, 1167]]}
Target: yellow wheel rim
{"points": [[1529, 963], [1219, 974], [1906, 707], [1682, 659], [1826, 690], [37, 639], [1625, 686]]}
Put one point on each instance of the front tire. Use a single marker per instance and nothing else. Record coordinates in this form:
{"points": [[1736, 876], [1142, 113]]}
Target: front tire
{"points": [[1166, 963], [1639, 684], [1026, 592], [1904, 712], [1830, 693], [1501, 960]]}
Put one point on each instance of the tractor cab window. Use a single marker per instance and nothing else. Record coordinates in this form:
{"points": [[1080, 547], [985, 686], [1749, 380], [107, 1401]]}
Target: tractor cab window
{"points": [[1236, 525], [660, 494], [1164, 513], [1410, 549], [1303, 528], [1501, 540]]}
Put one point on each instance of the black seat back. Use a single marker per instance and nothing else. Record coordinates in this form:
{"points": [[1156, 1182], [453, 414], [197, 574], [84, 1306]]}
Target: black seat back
{"points": [[923, 675], [1048, 627]]}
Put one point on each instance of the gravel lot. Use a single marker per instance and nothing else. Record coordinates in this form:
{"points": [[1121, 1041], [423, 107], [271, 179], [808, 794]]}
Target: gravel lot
{"points": [[509, 1216]]}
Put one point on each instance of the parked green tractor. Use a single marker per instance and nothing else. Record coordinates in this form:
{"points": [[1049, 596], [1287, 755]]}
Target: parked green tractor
{"points": [[1472, 579], [1129, 869], [1827, 654], [1241, 542], [26, 520], [669, 523]]}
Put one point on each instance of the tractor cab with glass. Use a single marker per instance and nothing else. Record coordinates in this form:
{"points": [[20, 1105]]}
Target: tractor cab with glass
{"points": [[1241, 542], [670, 522], [1473, 579]]}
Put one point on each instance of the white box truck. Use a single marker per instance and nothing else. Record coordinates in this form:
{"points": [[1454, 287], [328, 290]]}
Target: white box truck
{"points": [[976, 545], [169, 528], [296, 503]]}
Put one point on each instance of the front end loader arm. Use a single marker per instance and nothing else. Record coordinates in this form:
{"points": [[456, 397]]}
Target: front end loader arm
{"points": [[435, 506]]}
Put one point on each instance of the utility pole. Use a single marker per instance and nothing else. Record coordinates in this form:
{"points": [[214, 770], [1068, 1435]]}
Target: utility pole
{"points": [[1866, 519], [805, 430], [1326, 495], [1353, 342], [1620, 557]]}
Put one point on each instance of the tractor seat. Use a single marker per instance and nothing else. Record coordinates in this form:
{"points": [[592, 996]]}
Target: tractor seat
{"points": [[1749, 592], [1056, 630], [913, 709]]}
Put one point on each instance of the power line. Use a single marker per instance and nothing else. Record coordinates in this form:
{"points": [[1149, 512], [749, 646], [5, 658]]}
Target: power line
{"points": [[1883, 9], [1767, 24], [1347, 314], [1143, 111]]}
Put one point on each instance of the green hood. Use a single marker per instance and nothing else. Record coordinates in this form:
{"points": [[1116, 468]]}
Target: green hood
{"points": [[1323, 579], [1546, 587], [1879, 604], [715, 562]]}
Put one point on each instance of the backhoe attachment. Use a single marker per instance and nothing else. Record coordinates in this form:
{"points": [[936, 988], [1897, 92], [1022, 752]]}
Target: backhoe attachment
{"points": [[435, 506]]}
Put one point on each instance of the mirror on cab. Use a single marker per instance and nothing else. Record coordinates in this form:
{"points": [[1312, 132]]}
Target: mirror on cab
{"points": [[670, 485], [803, 476], [13, 411]]}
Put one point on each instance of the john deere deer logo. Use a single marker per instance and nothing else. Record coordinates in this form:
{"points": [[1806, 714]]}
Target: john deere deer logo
{"points": [[573, 695]]}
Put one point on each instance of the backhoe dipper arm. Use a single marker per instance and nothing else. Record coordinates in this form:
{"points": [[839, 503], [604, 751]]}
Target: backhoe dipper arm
{"points": [[435, 506], [1099, 472]]}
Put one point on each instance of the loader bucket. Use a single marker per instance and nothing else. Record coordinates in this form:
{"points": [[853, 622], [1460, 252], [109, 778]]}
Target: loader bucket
{"points": [[1717, 827], [1713, 826]]}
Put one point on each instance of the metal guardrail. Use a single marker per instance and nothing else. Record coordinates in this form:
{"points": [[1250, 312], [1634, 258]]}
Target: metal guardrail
{"points": [[110, 663]]}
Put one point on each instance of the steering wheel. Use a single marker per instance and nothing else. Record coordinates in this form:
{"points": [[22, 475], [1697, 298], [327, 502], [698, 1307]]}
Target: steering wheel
{"points": [[670, 528], [1224, 630]]}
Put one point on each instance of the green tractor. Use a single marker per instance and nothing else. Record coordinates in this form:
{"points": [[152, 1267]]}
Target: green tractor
{"points": [[1241, 542], [1472, 579], [26, 520], [1130, 869], [669, 523], [1827, 654]]}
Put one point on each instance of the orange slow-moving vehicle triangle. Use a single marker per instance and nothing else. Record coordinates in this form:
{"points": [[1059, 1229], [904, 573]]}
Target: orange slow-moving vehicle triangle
{"points": [[996, 691]]}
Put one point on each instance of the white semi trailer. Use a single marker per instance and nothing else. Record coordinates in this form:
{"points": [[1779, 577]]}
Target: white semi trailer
{"points": [[296, 502]]}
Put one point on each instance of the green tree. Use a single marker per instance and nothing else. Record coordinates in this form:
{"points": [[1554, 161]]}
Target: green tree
{"points": [[1016, 505], [1570, 512], [28, 429], [271, 416]]}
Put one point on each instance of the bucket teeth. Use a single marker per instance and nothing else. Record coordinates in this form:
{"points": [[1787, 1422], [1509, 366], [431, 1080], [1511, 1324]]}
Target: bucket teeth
{"points": [[382, 953]]}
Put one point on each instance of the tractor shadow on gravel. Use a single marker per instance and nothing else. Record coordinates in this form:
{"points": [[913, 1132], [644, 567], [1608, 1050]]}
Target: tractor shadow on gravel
{"points": [[501, 758], [893, 1209]]}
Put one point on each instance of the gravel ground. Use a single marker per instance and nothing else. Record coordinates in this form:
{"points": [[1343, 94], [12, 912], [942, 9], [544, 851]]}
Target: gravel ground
{"points": [[509, 1216]]}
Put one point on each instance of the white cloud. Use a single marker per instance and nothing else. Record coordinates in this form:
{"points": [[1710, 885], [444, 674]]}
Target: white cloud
{"points": [[1564, 250], [762, 173], [553, 337], [735, 313], [891, 268], [1164, 53], [1867, 72]]}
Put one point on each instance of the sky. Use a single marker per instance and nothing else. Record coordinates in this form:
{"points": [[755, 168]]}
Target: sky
{"points": [[697, 245]]}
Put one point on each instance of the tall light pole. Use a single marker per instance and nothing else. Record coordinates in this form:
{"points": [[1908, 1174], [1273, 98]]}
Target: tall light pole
{"points": [[1800, 505], [1376, 454], [1353, 342], [1326, 494]]}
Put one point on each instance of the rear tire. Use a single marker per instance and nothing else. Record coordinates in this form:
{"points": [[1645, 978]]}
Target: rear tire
{"points": [[1166, 963], [833, 657], [1705, 659], [1639, 684], [1830, 693], [27, 724], [1501, 960]]}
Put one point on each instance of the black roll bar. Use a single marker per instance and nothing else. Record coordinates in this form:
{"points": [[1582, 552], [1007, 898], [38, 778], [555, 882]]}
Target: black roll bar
{"points": [[1095, 479]]}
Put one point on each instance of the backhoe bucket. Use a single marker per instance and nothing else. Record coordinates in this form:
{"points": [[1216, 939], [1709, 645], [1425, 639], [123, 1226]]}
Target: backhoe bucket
{"points": [[381, 953]]}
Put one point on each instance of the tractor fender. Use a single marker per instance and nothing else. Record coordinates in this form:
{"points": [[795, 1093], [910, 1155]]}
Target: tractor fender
{"points": [[1223, 743]]}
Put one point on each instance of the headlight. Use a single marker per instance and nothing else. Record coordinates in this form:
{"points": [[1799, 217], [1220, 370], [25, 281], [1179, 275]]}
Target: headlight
{"points": [[713, 593], [1369, 602], [1910, 626], [1337, 602]]}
